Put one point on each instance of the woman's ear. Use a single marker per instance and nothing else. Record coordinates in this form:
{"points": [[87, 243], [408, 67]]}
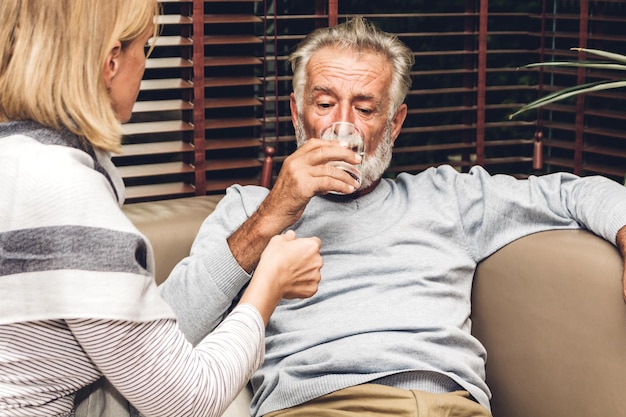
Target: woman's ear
{"points": [[112, 63]]}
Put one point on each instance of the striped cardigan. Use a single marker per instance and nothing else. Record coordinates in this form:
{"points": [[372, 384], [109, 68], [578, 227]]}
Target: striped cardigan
{"points": [[78, 298]]}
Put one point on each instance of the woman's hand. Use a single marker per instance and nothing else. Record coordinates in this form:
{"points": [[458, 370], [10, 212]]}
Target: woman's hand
{"points": [[289, 268]]}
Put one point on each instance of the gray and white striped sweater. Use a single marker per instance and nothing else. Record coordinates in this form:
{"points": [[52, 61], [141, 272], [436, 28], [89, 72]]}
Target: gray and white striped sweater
{"points": [[79, 300]]}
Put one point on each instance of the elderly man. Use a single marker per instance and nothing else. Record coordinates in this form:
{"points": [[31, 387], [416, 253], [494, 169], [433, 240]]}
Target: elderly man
{"points": [[388, 332]]}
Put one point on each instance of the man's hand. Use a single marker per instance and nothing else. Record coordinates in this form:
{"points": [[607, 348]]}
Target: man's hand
{"points": [[289, 268], [620, 240], [304, 174]]}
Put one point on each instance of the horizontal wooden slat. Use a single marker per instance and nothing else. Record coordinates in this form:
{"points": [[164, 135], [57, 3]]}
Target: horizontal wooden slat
{"points": [[556, 125], [594, 149], [227, 123], [174, 19], [458, 163], [222, 61], [173, 41], [605, 170], [155, 191], [576, 17], [231, 18], [166, 84], [561, 144], [220, 103], [621, 134], [460, 146], [152, 170], [468, 90], [231, 40], [224, 164], [231, 143], [434, 147], [280, 119], [281, 139], [156, 127], [574, 35], [457, 127], [612, 133], [508, 160], [422, 167], [438, 91], [286, 17], [436, 53], [494, 106], [603, 150], [161, 105], [155, 148], [612, 114], [442, 15], [164, 63], [230, 81], [449, 109], [561, 162], [233, 1]]}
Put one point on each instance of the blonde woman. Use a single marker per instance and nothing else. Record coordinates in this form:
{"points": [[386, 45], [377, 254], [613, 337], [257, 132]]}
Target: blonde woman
{"points": [[78, 298]]}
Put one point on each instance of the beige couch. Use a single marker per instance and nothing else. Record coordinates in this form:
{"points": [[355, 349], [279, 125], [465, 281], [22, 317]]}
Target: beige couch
{"points": [[547, 307]]}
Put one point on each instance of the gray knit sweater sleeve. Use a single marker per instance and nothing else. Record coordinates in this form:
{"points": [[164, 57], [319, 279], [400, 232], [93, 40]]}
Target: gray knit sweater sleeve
{"points": [[205, 286], [495, 210]]}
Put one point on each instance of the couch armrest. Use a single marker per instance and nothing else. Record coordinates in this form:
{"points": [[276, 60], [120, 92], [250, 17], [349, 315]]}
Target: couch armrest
{"points": [[549, 310], [170, 226]]}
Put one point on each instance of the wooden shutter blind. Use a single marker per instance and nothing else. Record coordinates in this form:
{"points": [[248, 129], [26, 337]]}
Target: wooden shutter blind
{"points": [[231, 82], [195, 127], [157, 159], [217, 86], [466, 82], [585, 135], [461, 94]]}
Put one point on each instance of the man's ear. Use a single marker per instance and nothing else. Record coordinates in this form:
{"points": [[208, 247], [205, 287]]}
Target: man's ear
{"points": [[112, 63], [294, 110], [398, 120]]}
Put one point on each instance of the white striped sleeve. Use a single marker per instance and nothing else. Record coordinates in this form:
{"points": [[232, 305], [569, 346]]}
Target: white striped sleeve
{"points": [[161, 374]]}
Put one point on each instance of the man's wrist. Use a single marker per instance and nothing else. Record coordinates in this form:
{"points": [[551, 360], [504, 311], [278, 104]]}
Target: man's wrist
{"points": [[620, 240]]}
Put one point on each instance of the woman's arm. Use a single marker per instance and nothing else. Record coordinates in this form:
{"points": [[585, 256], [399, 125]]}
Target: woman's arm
{"points": [[161, 374], [158, 370]]}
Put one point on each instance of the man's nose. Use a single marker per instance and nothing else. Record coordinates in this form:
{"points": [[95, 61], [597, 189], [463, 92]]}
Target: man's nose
{"points": [[345, 114]]}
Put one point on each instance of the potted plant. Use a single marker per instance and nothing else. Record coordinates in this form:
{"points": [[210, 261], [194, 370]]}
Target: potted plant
{"points": [[613, 62]]}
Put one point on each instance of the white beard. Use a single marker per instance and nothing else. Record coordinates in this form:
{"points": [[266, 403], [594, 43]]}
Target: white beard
{"points": [[373, 166]]}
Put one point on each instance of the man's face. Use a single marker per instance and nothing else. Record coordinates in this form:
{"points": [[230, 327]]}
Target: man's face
{"points": [[354, 87]]}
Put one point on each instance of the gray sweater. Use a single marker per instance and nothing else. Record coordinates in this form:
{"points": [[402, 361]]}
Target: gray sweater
{"points": [[393, 306]]}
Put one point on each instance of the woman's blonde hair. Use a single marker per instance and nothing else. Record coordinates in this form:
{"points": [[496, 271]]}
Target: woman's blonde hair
{"points": [[52, 62]]}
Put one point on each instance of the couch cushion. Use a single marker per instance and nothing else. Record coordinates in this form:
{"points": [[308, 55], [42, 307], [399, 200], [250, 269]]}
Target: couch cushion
{"points": [[171, 226], [548, 308]]}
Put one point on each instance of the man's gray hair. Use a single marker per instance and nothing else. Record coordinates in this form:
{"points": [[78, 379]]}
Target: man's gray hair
{"points": [[359, 35]]}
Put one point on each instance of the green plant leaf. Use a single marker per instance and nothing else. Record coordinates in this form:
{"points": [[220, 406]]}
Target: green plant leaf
{"points": [[618, 63], [584, 64], [604, 54], [569, 92]]}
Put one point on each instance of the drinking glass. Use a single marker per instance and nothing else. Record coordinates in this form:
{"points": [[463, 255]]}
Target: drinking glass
{"points": [[350, 136]]}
